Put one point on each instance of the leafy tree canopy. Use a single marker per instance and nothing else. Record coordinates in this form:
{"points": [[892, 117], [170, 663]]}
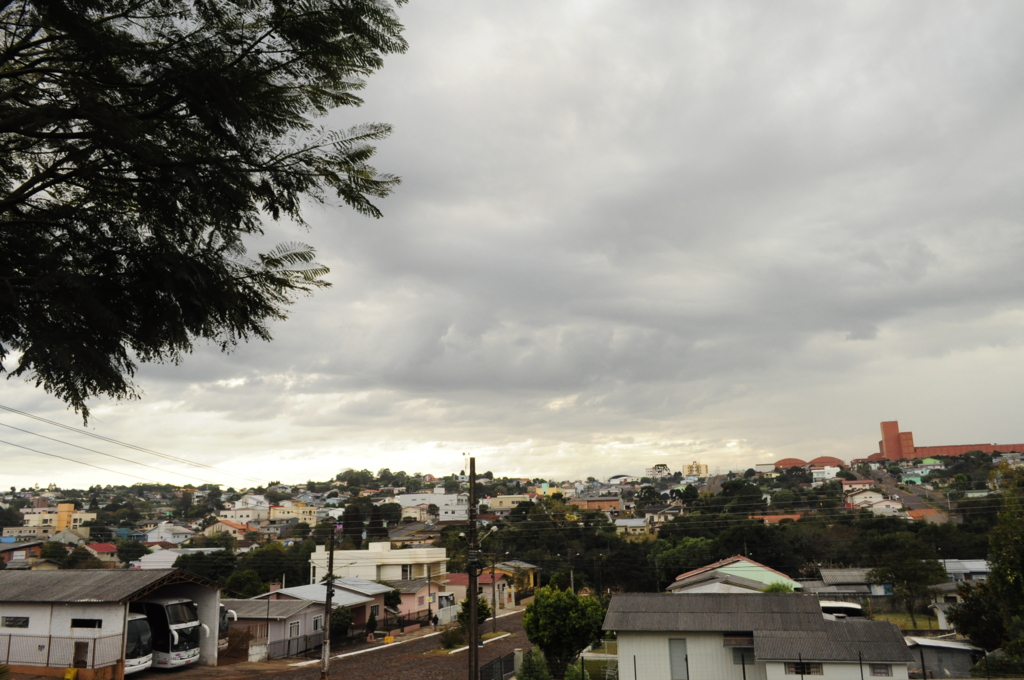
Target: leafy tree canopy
{"points": [[143, 145], [562, 625]]}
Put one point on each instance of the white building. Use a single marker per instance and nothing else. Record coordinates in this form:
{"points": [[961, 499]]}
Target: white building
{"points": [[245, 515], [659, 471], [451, 506], [380, 563], [164, 559], [54, 620], [172, 533], [824, 474], [748, 637]]}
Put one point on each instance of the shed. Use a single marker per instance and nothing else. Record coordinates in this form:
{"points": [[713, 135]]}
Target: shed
{"points": [[942, 658]]}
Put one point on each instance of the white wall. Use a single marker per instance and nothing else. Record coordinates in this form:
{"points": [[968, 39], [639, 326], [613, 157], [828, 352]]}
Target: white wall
{"points": [[833, 671], [55, 620], [707, 657]]}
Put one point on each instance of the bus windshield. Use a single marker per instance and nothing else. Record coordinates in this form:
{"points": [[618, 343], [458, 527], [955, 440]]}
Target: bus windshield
{"points": [[140, 639], [182, 612], [188, 638]]}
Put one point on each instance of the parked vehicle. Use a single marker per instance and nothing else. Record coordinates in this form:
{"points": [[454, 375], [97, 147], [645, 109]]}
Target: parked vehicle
{"points": [[175, 624], [138, 654], [222, 627]]}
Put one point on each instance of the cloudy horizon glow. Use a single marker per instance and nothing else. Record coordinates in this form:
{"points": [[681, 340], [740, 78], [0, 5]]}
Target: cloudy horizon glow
{"points": [[630, 234]]}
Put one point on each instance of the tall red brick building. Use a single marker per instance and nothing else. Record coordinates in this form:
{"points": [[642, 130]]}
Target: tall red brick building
{"points": [[896, 445]]}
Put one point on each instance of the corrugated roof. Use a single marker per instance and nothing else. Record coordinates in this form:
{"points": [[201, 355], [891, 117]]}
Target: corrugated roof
{"points": [[362, 586], [944, 644], [258, 609], [5, 547], [849, 640], [851, 576], [407, 586], [89, 585], [715, 577], [317, 592]]}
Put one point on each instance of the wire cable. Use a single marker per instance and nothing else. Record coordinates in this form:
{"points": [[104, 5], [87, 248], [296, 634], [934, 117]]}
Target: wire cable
{"points": [[142, 449], [72, 460]]}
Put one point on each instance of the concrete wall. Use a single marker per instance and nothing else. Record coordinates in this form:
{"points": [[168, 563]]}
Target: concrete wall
{"points": [[833, 671], [648, 653], [45, 656], [208, 602]]}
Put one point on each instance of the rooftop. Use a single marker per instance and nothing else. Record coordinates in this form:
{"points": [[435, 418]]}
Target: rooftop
{"points": [[90, 585], [267, 609]]}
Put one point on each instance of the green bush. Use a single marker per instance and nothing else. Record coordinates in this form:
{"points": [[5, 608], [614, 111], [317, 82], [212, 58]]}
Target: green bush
{"points": [[534, 667], [452, 637]]}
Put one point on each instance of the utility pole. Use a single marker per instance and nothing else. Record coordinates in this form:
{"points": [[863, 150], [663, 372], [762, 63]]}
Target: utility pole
{"points": [[494, 598], [325, 658], [472, 564]]}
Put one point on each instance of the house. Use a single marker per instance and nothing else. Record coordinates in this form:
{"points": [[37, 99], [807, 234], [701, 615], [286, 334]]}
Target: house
{"points": [[27, 551], [737, 565], [42, 564], [290, 626], [172, 533], [294, 509], [245, 514], [499, 586], [417, 513], [359, 595], [858, 484], [591, 502], [887, 507], [105, 553], [855, 499], [845, 581], [165, 559], [54, 620], [379, 562], [417, 595], [226, 526], [79, 536], [717, 582], [523, 575], [48, 520], [503, 505], [662, 514], [824, 474], [967, 570], [450, 506], [942, 658], [737, 637], [633, 526]]}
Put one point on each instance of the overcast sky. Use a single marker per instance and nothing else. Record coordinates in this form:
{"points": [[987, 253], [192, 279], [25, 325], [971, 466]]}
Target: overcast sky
{"points": [[631, 233]]}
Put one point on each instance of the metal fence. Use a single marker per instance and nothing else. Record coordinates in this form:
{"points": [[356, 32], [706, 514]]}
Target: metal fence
{"points": [[294, 646], [60, 652], [499, 669]]}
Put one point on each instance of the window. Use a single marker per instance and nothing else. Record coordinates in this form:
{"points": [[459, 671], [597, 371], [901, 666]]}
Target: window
{"points": [[318, 623], [15, 622], [743, 657], [375, 610], [881, 670], [803, 668], [293, 629], [406, 572], [419, 601], [86, 623]]}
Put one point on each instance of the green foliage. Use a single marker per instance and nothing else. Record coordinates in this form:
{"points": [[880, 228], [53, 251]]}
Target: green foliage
{"points": [[451, 637], [128, 551], [245, 584], [341, 621], [371, 624], [978, 616], [910, 567], [534, 667], [483, 612], [576, 671], [54, 550], [144, 146], [80, 558], [393, 599], [647, 495], [352, 525], [778, 587], [562, 625], [216, 566]]}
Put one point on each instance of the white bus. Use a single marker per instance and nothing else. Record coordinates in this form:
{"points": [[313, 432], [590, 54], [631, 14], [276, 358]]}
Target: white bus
{"points": [[138, 654], [176, 630]]}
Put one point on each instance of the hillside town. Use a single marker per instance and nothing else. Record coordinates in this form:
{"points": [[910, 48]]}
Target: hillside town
{"points": [[888, 550]]}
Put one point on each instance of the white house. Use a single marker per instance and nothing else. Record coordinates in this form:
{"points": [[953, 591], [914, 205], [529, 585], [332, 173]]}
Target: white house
{"points": [[824, 474], [164, 559], [741, 637], [739, 566], [451, 506], [54, 620], [380, 563], [172, 533]]}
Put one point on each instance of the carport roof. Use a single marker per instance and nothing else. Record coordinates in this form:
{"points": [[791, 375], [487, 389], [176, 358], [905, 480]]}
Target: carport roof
{"points": [[90, 585]]}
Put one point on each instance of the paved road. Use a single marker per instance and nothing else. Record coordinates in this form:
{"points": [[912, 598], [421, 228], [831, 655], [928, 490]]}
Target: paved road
{"points": [[909, 499]]}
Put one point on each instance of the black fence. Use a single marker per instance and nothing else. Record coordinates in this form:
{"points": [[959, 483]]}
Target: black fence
{"points": [[499, 669], [523, 594]]}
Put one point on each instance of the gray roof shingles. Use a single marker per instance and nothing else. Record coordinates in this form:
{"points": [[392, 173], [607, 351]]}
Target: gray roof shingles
{"points": [[258, 609], [786, 627]]}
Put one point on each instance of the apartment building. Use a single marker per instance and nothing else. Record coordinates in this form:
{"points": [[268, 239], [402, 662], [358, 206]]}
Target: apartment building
{"points": [[379, 562]]}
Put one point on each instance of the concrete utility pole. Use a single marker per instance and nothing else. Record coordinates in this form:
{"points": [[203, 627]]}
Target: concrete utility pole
{"points": [[494, 598], [325, 658], [472, 566]]}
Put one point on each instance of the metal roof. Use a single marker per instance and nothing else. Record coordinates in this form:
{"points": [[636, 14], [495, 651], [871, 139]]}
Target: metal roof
{"points": [[715, 577], [851, 576], [407, 586], [317, 592], [5, 547], [258, 609], [90, 585], [944, 644], [516, 564], [362, 586]]}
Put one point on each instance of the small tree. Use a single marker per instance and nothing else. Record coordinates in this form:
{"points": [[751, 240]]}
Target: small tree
{"points": [[341, 621], [245, 583], [54, 550], [562, 625], [483, 612], [371, 624], [129, 551], [533, 667], [778, 587], [908, 566]]}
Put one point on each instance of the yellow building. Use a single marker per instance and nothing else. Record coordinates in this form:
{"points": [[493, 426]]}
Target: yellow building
{"points": [[298, 509], [695, 469]]}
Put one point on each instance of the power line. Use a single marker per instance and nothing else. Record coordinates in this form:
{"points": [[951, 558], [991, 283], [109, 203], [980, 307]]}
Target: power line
{"points": [[110, 455], [53, 455], [142, 449]]}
